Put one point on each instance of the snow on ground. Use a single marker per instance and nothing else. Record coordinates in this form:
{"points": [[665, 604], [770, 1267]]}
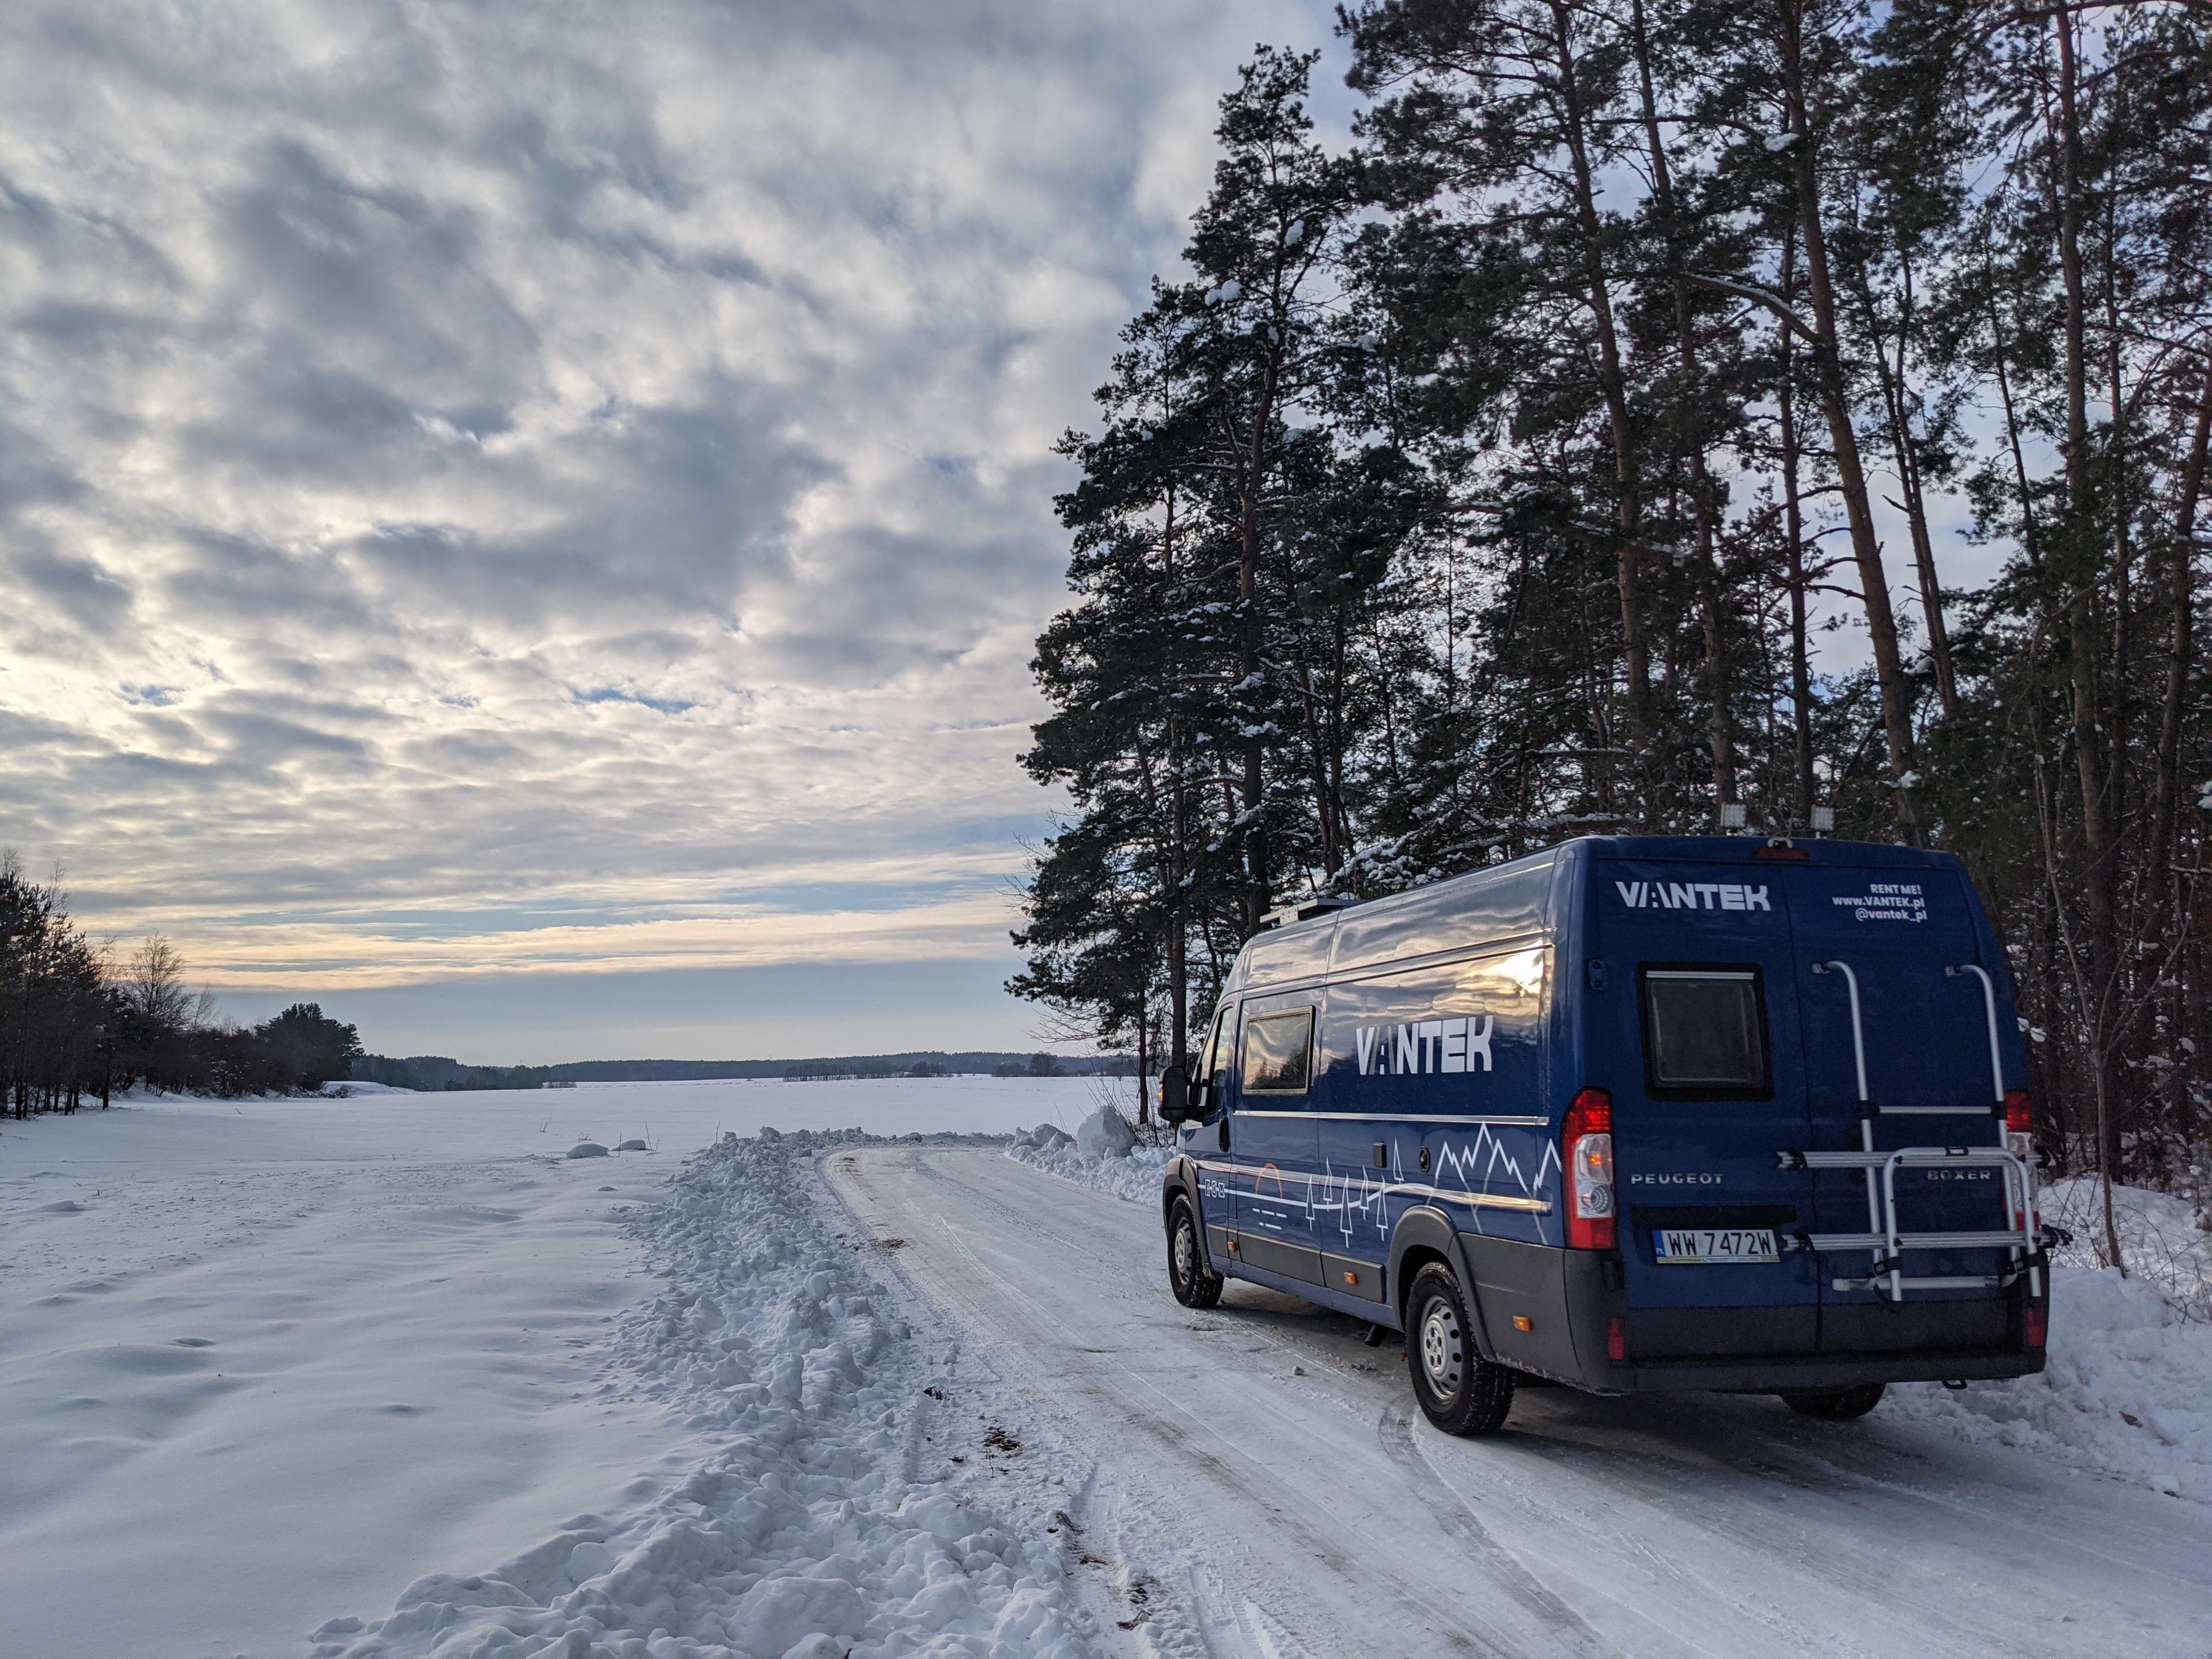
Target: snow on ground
{"points": [[2128, 1390], [397, 1369], [2160, 1237], [2127, 1393], [1256, 1483], [1133, 1174], [265, 1361], [823, 1520]]}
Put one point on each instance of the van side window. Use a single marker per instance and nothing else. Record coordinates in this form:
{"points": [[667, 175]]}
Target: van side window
{"points": [[1279, 1052], [1217, 1061], [1704, 1033]]}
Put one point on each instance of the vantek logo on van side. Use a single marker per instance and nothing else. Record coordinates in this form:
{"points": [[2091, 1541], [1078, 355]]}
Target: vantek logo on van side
{"points": [[1459, 1044], [1692, 895]]}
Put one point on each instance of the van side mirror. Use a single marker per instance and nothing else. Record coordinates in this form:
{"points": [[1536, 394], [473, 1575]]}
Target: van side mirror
{"points": [[1175, 1095]]}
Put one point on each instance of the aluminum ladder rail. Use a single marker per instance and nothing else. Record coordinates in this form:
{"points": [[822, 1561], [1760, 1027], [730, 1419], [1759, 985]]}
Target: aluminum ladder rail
{"points": [[1883, 1239]]}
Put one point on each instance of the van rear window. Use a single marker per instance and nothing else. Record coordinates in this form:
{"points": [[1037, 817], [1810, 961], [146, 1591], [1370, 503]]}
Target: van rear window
{"points": [[1704, 1033], [1278, 1048]]}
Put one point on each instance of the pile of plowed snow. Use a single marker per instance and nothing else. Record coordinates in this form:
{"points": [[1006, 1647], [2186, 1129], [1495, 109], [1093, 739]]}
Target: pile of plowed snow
{"points": [[814, 1530], [2163, 1239], [1102, 1155], [2127, 1391]]}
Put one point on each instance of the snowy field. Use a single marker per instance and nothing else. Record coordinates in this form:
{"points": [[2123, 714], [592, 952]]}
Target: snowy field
{"points": [[395, 1376], [263, 1363]]}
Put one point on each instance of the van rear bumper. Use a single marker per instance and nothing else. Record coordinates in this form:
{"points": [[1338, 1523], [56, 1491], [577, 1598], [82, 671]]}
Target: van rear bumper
{"points": [[1771, 1374], [1674, 1351]]}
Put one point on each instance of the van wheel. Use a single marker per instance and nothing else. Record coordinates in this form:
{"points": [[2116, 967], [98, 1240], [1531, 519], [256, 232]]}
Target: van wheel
{"points": [[1195, 1284], [1836, 1405], [1459, 1390]]}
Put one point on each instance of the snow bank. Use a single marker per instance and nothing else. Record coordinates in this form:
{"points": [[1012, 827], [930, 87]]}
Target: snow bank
{"points": [[2127, 1393], [812, 1530], [2128, 1390], [1133, 1174], [2160, 1238], [1104, 1133]]}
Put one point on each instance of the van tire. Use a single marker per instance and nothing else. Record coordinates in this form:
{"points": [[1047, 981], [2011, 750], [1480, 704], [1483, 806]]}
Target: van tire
{"points": [[1836, 1405], [1458, 1390], [1195, 1284]]}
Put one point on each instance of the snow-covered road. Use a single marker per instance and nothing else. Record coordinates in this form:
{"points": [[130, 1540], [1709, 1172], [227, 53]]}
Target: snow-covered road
{"points": [[1264, 1487]]}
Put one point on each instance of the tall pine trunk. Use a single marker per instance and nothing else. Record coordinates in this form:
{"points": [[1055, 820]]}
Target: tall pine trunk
{"points": [[1834, 393], [1612, 385]]}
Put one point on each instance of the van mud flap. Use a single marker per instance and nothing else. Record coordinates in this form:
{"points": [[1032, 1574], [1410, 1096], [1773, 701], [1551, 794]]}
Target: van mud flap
{"points": [[1520, 1291]]}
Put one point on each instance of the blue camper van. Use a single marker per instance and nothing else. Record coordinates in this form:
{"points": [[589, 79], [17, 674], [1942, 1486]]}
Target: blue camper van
{"points": [[1631, 1114]]}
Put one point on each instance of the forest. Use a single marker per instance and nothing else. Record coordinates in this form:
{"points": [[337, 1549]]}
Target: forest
{"points": [[76, 1026], [1664, 416]]}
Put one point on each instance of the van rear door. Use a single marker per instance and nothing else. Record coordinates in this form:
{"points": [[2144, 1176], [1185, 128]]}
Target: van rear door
{"points": [[1694, 1027], [1926, 1037]]}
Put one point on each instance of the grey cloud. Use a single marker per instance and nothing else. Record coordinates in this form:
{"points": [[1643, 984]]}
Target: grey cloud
{"points": [[671, 510], [236, 580], [270, 739], [58, 588], [32, 474]]}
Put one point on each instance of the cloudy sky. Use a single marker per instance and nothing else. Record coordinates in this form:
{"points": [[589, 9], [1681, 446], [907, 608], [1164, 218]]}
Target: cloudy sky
{"points": [[526, 522]]}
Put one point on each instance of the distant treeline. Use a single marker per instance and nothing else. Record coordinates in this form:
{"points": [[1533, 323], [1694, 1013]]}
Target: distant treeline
{"points": [[436, 1072], [75, 1027]]}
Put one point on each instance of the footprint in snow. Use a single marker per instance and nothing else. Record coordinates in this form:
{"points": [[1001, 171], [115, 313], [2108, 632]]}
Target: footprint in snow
{"points": [[195, 1342], [397, 1409]]}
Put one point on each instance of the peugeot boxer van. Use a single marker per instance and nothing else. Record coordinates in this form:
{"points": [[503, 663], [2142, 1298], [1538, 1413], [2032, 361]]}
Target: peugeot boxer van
{"points": [[1631, 1114]]}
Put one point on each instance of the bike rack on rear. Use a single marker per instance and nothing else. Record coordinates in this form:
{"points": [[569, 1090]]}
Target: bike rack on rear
{"points": [[1883, 1239]]}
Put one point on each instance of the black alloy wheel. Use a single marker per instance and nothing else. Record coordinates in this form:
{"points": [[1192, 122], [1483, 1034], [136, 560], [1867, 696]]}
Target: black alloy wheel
{"points": [[1194, 1283], [1459, 1390], [1835, 1405]]}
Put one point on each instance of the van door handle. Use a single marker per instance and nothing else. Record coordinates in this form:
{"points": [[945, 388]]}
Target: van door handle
{"points": [[1224, 1131]]}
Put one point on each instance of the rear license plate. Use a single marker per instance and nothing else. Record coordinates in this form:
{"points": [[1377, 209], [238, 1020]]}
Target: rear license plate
{"points": [[1693, 1245]]}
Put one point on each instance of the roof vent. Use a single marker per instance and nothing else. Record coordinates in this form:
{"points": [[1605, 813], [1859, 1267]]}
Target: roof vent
{"points": [[1306, 912]]}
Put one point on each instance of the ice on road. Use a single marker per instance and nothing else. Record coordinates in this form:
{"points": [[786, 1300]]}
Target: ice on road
{"points": [[1264, 1477]]}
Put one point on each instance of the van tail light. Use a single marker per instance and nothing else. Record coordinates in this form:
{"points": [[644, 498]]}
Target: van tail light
{"points": [[1616, 1339], [1587, 1158], [2035, 1323], [2019, 1135]]}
